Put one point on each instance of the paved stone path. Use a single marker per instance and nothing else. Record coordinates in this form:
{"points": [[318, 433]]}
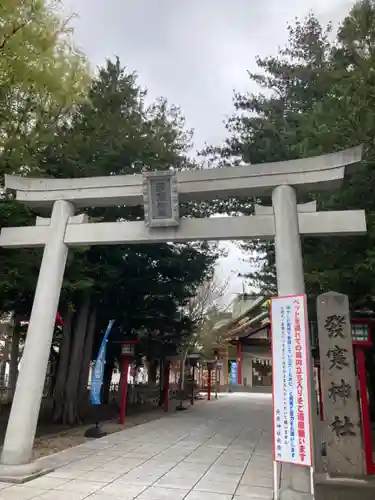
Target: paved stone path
{"points": [[218, 450]]}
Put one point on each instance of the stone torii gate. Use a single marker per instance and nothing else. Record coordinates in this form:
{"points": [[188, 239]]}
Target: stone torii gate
{"points": [[160, 193]]}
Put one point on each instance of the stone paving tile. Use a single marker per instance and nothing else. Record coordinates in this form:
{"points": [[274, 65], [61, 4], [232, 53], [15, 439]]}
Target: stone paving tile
{"points": [[198, 495], [228, 469], [237, 455], [227, 487], [61, 495], [151, 467], [111, 454], [101, 475], [187, 474], [180, 483], [247, 497], [231, 462], [264, 482], [20, 493], [117, 489], [255, 492], [46, 483], [261, 464], [67, 474], [200, 461], [80, 486], [211, 475], [191, 466], [124, 461], [215, 451], [138, 474], [79, 465], [156, 493], [99, 495]]}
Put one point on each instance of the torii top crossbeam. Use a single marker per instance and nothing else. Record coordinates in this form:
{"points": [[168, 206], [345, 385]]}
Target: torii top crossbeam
{"points": [[319, 173]]}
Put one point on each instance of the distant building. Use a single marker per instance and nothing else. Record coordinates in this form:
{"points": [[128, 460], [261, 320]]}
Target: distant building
{"points": [[247, 339]]}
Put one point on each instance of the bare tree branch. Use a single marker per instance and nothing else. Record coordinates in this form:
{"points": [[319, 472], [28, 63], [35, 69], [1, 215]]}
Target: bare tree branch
{"points": [[15, 29], [207, 300]]}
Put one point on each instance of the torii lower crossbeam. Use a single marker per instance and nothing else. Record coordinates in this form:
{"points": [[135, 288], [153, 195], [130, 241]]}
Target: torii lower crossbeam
{"points": [[344, 223]]}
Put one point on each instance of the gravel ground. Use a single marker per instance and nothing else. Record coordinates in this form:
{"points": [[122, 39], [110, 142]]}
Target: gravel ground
{"points": [[54, 438], [46, 445]]}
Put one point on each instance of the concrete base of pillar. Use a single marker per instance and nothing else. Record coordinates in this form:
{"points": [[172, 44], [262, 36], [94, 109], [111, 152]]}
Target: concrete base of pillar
{"points": [[326, 479], [95, 432], [288, 494], [19, 474]]}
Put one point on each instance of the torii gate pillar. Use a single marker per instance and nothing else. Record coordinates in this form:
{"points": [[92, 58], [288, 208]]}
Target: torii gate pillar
{"points": [[289, 265], [24, 414], [290, 281]]}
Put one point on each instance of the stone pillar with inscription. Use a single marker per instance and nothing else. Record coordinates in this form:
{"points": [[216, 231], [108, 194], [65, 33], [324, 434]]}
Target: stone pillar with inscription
{"points": [[342, 421]]}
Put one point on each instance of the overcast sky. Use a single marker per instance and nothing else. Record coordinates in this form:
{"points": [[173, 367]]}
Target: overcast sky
{"points": [[195, 53]]}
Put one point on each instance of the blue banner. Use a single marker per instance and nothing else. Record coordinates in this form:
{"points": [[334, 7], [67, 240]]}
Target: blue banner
{"points": [[98, 372], [233, 373]]}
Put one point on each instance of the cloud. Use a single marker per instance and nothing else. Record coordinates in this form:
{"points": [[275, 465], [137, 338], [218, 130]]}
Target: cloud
{"points": [[194, 52]]}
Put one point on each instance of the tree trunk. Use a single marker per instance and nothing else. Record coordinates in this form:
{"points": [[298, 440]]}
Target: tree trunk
{"points": [[5, 357], [107, 378], [152, 371], [50, 382], [182, 369], [62, 369], [85, 368], [14, 353], [3, 366], [181, 384], [70, 413], [161, 381]]}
